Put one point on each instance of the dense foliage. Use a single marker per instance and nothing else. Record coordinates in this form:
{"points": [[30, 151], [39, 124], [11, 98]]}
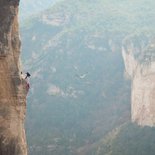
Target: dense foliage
{"points": [[133, 139]]}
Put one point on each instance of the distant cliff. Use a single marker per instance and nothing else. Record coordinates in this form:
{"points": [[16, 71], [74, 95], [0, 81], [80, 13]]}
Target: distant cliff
{"points": [[12, 95], [139, 57]]}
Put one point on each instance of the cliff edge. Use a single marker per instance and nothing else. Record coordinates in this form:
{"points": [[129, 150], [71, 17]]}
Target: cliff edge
{"points": [[12, 91], [139, 57]]}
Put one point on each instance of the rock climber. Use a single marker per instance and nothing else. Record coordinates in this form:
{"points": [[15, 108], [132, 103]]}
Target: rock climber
{"points": [[27, 85], [26, 78], [27, 75]]}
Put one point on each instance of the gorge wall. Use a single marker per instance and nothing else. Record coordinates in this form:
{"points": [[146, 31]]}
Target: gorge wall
{"points": [[139, 57], [12, 93]]}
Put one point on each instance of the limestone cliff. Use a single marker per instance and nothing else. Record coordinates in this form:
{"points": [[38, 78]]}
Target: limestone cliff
{"points": [[139, 57], [12, 95]]}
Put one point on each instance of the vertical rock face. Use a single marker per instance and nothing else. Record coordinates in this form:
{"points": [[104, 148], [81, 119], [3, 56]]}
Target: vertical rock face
{"points": [[12, 95], [139, 58]]}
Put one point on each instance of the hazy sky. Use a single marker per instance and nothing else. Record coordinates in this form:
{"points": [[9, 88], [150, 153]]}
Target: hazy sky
{"points": [[29, 7]]}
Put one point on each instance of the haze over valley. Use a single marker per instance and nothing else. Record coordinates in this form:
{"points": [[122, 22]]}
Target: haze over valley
{"points": [[92, 83]]}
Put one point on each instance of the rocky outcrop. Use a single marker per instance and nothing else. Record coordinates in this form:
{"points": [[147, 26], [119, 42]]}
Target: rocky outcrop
{"points": [[139, 57], [12, 93]]}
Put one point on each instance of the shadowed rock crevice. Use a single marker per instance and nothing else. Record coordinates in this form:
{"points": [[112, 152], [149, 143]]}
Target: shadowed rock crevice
{"points": [[9, 148]]}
